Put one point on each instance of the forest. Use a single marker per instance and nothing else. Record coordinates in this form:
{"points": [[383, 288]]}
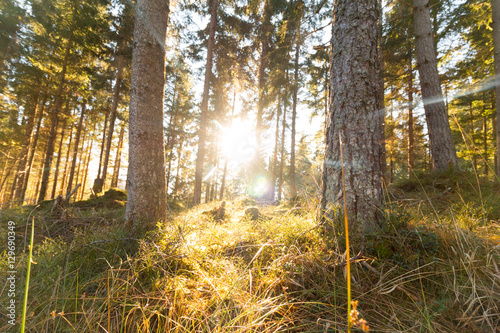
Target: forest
{"points": [[249, 166]]}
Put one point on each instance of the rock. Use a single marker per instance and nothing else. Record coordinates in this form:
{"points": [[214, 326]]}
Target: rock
{"points": [[252, 213]]}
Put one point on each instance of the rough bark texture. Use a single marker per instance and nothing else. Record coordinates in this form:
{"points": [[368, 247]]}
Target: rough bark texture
{"points": [[354, 114], [495, 6], [411, 157], [441, 143], [146, 200], [202, 134]]}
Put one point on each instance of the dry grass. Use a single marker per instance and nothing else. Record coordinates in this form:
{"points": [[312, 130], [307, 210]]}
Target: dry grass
{"points": [[273, 275]]}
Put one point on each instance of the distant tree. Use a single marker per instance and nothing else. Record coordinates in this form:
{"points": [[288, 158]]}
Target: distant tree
{"points": [[146, 198]]}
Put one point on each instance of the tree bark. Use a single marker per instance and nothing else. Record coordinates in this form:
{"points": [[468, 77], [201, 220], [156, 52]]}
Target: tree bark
{"points": [[275, 153], [202, 133], [146, 199], [495, 6], [444, 156], [354, 116]]}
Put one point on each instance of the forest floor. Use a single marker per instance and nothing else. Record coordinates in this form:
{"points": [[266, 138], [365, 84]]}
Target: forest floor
{"points": [[434, 268]]}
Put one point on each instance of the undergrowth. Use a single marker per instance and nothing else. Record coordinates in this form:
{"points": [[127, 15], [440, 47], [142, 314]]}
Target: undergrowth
{"points": [[434, 268]]}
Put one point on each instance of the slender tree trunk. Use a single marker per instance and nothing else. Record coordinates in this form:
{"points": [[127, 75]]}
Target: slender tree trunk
{"points": [[275, 153], [103, 144], [33, 145], [202, 134], [282, 150], [118, 158], [66, 161], [293, 188], [411, 156], [264, 40], [354, 115], [178, 173], [58, 161], [383, 158], [495, 6], [112, 118], [75, 151], [57, 106], [472, 137], [444, 156], [146, 198], [59, 152], [23, 165], [226, 158], [86, 167]]}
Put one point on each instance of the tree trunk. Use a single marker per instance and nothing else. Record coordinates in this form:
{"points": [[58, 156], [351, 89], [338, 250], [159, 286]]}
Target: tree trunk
{"points": [[178, 173], [33, 145], [86, 167], [226, 158], [282, 150], [411, 156], [23, 165], [58, 161], [444, 156], [275, 153], [75, 151], [146, 199], [202, 134], [112, 118], [118, 158], [293, 189], [66, 161], [354, 116], [57, 106], [264, 40], [495, 6]]}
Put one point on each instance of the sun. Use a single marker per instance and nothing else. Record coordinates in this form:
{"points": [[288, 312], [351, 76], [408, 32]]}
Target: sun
{"points": [[238, 141]]}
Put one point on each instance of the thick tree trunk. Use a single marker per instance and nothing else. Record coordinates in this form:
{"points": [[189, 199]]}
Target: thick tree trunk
{"points": [[77, 147], [57, 106], [112, 118], [444, 156], [354, 116], [146, 199], [495, 6], [202, 133]]}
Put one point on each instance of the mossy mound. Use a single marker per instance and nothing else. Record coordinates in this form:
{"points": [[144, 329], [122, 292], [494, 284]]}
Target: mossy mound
{"points": [[112, 198]]}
